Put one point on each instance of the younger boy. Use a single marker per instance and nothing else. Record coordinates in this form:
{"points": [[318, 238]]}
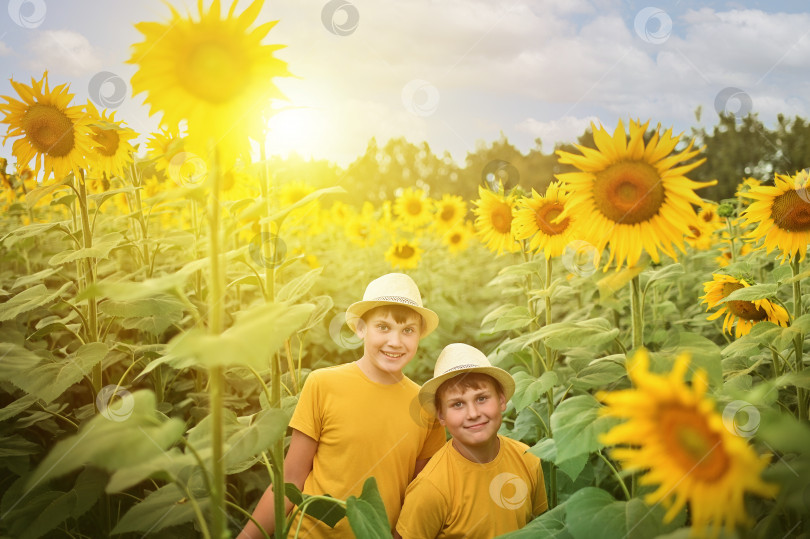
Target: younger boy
{"points": [[354, 421], [479, 484]]}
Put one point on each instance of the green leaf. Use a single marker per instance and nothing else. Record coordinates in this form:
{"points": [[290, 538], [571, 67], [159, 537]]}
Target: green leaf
{"points": [[592, 512], [129, 291], [47, 379], [750, 293], [29, 299], [514, 318], [549, 525], [100, 250], [797, 379], [30, 231], [306, 200], [705, 355], [244, 445], [17, 446], [598, 374], [19, 405], [153, 314], [367, 515], [298, 287], [667, 272], [576, 425], [168, 465], [257, 333], [566, 335], [110, 444], [167, 506], [528, 388], [325, 508], [34, 278]]}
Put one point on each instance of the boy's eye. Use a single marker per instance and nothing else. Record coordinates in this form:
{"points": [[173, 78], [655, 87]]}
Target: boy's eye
{"points": [[408, 330], [382, 327], [482, 398], [456, 405]]}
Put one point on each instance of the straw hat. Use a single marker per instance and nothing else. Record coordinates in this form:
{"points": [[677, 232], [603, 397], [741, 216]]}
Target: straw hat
{"points": [[458, 358], [392, 289]]}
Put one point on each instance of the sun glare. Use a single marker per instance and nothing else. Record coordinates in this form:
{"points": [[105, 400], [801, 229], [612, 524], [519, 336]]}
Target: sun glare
{"points": [[300, 130]]}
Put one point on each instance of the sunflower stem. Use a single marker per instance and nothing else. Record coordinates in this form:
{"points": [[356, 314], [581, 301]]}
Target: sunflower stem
{"points": [[798, 340], [636, 312], [615, 473], [89, 280], [731, 240], [215, 387]]}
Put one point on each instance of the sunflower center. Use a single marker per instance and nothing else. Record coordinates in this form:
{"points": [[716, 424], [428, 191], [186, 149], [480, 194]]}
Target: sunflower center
{"points": [[545, 215], [695, 231], [744, 309], [107, 139], [629, 192], [790, 211], [413, 207], [695, 448], [455, 238], [48, 129], [501, 218], [448, 213], [213, 70], [404, 252]]}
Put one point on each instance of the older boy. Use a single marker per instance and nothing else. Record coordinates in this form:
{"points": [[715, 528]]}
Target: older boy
{"points": [[355, 420], [479, 484]]}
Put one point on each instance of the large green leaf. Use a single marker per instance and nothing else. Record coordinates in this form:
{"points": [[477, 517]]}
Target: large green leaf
{"points": [[100, 250], [34, 278], [592, 512], [168, 465], [705, 354], [167, 506], [549, 525], [750, 293], [666, 273], [43, 378], [528, 388], [325, 508], [599, 373], [110, 444], [257, 333], [367, 515], [576, 425], [566, 335], [298, 287], [153, 314], [30, 231], [29, 299]]}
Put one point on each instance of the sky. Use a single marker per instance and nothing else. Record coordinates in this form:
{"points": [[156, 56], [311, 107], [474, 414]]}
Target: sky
{"points": [[453, 73]]}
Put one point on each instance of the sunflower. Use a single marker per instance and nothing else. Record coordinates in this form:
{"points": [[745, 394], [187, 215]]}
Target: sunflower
{"points": [[214, 73], [536, 218], [50, 130], [494, 213], [724, 258], [632, 195], [674, 432], [450, 210], [111, 147], [162, 147], [457, 238], [404, 254], [782, 214], [361, 231], [745, 313], [744, 186], [413, 208]]}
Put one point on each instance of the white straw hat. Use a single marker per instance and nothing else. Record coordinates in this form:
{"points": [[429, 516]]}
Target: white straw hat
{"points": [[458, 358], [392, 289]]}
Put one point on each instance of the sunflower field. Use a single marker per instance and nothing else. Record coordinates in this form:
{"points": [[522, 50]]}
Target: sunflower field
{"points": [[161, 308]]}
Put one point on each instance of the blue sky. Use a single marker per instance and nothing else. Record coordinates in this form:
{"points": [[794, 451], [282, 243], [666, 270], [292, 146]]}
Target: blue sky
{"points": [[454, 72]]}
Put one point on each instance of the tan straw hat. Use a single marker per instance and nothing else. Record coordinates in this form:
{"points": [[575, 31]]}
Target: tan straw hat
{"points": [[459, 358], [392, 289]]}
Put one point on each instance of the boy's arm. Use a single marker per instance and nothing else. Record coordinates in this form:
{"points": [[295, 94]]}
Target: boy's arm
{"points": [[420, 464], [297, 465]]}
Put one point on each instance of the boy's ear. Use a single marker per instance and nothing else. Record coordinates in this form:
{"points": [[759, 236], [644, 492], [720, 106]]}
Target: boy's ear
{"points": [[360, 328], [440, 417], [502, 400]]}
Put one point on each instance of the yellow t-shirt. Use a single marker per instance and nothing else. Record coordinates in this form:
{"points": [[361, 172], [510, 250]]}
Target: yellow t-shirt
{"points": [[363, 429], [455, 497]]}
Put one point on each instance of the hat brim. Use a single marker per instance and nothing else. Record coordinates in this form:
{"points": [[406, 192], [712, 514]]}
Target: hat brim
{"points": [[427, 393], [358, 309]]}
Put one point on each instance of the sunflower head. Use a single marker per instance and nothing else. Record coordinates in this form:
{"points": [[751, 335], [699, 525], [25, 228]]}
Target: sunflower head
{"points": [[450, 211], [457, 238], [739, 313], [404, 254], [214, 72], [494, 214], [47, 128], [632, 195], [781, 214], [538, 219], [111, 147], [413, 208], [675, 437]]}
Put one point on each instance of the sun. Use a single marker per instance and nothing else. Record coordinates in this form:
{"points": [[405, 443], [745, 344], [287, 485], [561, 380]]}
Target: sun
{"points": [[300, 130]]}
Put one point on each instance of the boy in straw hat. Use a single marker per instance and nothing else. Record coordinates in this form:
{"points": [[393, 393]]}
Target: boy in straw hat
{"points": [[354, 421], [479, 484]]}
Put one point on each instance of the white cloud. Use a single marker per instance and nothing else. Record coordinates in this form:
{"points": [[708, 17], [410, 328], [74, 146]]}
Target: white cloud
{"points": [[565, 129], [63, 52]]}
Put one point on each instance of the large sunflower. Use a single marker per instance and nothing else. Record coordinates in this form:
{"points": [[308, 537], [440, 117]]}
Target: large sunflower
{"points": [[782, 214], [536, 218], [50, 130], [214, 73], [413, 207], [111, 147], [494, 213], [632, 195], [744, 313], [404, 254], [676, 438], [163, 146]]}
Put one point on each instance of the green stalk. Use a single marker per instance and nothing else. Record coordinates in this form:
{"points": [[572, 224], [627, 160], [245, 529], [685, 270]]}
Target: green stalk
{"points": [[552, 480], [215, 388], [731, 240], [798, 340], [637, 313], [89, 280], [277, 451]]}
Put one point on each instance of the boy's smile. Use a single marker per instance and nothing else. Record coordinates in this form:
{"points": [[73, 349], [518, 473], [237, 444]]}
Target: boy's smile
{"points": [[388, 346], [473, 417]]}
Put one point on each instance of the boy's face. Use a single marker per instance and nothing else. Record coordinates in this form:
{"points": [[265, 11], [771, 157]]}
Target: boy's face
{"points": [[389, 345], [472, 415]]}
